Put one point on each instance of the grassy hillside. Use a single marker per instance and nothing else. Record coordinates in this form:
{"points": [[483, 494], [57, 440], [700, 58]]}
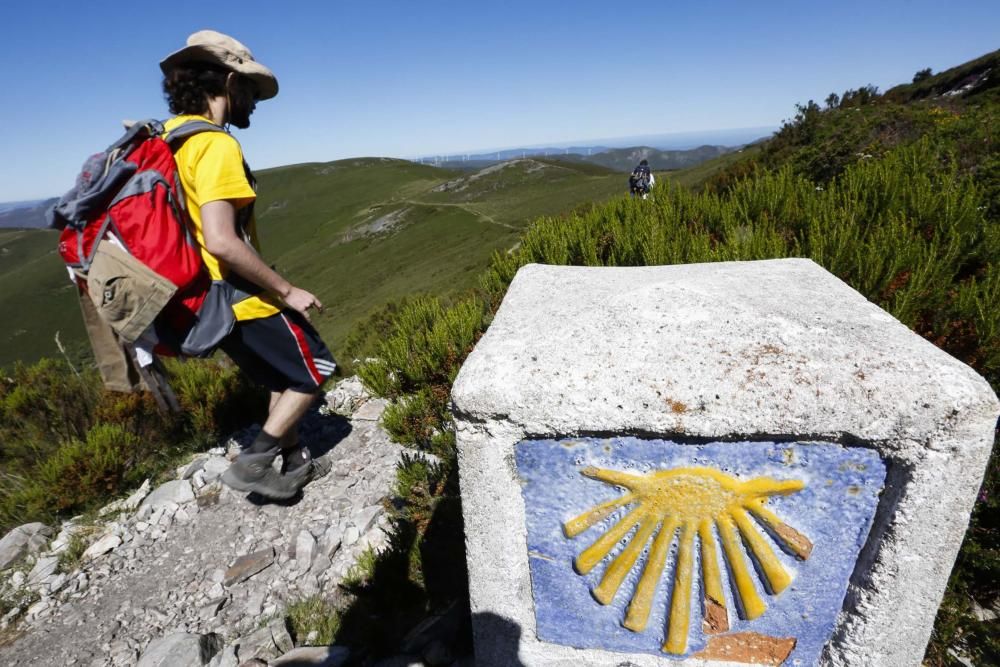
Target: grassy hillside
{"points": [[696, 176], [977, 78], [359, 233], [957, 110], [38, 298]]}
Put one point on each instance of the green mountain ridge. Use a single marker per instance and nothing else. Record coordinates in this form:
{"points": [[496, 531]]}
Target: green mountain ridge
{"points": [[30, 215], [625, 159], [614, 159]]}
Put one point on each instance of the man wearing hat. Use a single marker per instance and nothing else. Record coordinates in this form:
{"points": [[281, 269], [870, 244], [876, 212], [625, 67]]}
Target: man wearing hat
{"points": [[215, 79]]}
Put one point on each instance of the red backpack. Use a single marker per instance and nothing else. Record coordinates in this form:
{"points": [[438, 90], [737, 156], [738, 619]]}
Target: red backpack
{"points": [[126, 240]]}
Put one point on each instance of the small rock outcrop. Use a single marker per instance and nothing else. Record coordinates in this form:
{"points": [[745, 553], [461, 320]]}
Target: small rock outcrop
{"points": [[18, 543]]}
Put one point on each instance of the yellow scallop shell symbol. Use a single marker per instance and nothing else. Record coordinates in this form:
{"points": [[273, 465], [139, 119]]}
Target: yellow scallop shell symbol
{"points": [[692, 500]]}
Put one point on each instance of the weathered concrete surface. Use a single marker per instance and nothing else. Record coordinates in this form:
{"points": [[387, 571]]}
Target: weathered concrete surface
{"points": [[744, 350]]}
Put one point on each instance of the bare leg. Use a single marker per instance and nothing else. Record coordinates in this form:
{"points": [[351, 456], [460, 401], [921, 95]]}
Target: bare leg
{"points": [[291, 437], [286, 409]]}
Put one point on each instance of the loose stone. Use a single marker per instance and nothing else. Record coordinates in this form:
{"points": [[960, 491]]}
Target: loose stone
{"points": [[249, 565], [16, 543], [175, 492], [102, 546], [180, 650], [305, 549]]}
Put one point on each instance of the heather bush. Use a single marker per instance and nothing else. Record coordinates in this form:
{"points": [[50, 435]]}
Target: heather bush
{"points": [[416, 418], [424, 347], [44, 401], [67, 445], [106, 460], [215, 397]]}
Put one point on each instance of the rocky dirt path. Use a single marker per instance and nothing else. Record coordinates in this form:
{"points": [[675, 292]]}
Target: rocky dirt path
{"points": [[219, 566]]}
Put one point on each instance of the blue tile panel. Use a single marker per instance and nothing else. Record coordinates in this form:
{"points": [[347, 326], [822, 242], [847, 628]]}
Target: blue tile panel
{"points": [[834, 510]]}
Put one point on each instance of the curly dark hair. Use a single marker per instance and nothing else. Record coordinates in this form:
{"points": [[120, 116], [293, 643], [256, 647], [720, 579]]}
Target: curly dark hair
{"points": [[188, 88]]}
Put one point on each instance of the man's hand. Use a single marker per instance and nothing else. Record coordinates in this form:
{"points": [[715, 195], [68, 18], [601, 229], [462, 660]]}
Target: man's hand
{"points": [[301, 300]]}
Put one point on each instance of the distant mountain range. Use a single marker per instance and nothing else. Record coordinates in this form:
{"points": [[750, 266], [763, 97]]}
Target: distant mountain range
{"points": [[24, 214], [616, 159], [480, 160], [674, 141], [625, 159]]}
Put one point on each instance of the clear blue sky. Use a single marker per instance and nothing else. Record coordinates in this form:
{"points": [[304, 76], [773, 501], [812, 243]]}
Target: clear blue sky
{"points": [[414, 78]]}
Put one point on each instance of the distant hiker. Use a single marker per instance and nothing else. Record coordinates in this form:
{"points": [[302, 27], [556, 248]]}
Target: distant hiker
{"points": [[215, 79], [641, 181]]}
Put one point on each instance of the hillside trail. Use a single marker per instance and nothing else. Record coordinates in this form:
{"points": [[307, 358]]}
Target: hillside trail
{"points": [[194, 556], [465, 207]]}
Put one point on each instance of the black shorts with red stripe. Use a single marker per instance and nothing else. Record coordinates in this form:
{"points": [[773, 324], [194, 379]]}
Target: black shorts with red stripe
{"points": [[280, 352]]}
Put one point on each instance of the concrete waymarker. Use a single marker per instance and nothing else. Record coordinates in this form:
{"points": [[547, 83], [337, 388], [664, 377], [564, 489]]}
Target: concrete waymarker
{"points": [[737, 462]]}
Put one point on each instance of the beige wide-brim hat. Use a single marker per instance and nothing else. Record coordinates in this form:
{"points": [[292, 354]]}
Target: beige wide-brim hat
{"points": [[214, 47]]}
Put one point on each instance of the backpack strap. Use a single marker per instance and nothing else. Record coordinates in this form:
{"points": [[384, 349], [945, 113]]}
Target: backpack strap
{"points": [[136, 131], [185, 130], [175, 136], [235, 288]]}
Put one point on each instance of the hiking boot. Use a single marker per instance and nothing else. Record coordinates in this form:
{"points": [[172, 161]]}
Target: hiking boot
{"points": [[307, 472], [253, 472]]}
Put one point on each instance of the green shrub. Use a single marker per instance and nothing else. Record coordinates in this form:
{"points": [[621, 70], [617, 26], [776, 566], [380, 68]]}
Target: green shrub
{"points": [[138, 414], [424, 347], [417, 419], [75, 476], [361, 572], [412, 477], [67, 445], [416, 363], [72, 555], [363, 340], [313, 614], [215, 397], [419, 485], [42, 404]]}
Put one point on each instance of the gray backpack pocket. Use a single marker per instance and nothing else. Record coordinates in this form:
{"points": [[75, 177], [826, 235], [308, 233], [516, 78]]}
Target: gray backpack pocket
{"points": [[215, 320]]}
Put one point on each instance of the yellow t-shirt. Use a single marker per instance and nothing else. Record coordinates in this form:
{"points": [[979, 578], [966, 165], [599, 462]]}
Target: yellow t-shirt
{"points": [[210, 165]]}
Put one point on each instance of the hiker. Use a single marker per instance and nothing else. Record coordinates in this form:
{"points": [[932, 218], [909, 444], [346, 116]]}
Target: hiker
{"points": [[641, 180], [215, 79]]}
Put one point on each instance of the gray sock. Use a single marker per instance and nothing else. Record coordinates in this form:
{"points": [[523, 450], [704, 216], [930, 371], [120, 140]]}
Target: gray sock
{"points": [[263, 443]]}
